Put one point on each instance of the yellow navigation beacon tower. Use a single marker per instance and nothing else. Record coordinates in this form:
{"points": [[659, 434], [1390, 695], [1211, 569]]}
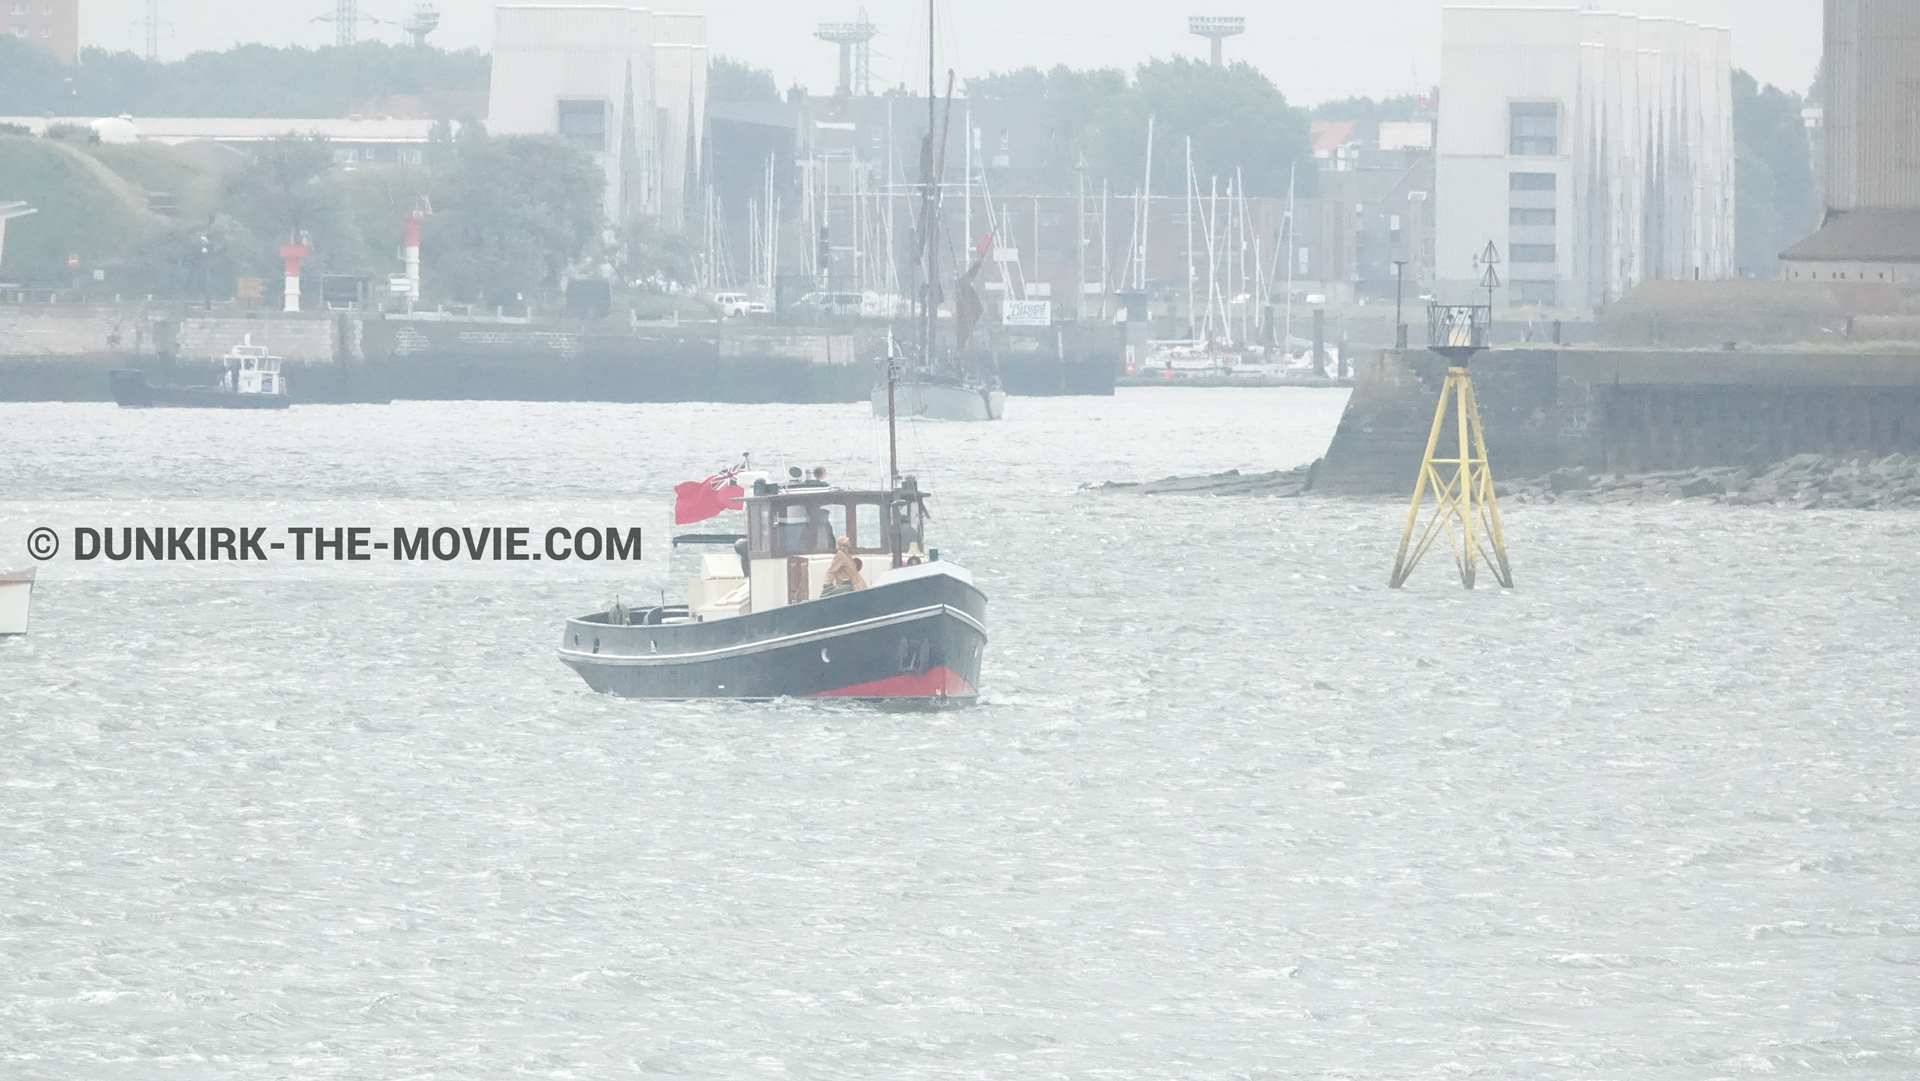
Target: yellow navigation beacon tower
{"points": [[1465, 510]]}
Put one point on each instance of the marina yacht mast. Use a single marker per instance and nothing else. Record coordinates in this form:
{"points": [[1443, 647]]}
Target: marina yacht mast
{"points": [[931, 391]]}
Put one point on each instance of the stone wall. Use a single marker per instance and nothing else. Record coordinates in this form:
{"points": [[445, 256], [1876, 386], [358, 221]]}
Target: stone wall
{"points": [[1625, 410], [135, 329], [61, 330], [307, 338]]}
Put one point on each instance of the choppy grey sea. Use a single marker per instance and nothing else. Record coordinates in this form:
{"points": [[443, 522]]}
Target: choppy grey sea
{"points": [[1230, 808]]}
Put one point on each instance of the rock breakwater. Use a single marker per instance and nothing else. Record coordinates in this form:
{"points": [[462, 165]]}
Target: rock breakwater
{"points": [[1808, 481], [1281, 482]]}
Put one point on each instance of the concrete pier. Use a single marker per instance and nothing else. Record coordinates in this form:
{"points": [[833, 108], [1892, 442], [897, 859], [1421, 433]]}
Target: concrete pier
{"points": [[1630, 410], [63, 352]]}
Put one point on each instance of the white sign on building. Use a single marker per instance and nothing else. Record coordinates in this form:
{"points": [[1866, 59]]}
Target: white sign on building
{"points": [[1027, 313]]}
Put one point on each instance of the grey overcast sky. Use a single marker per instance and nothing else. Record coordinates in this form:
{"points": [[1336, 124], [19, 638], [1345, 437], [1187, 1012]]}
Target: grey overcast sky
{"points": [[1313, 51]]}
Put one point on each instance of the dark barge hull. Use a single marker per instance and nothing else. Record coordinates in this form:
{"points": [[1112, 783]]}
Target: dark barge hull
{"points": [[132, 391], [915, 643]]}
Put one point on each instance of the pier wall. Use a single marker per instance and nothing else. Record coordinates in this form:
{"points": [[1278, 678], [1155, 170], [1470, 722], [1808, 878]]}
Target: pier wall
{"points": [[1628, 410], [62, 352]]}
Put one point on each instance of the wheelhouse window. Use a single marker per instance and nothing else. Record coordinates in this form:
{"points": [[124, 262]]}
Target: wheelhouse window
{"points": [[1534, 129], [813, 524]]}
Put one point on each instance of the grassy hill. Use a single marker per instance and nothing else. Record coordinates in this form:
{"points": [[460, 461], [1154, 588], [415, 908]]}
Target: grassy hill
{"points": [[85, 209]]}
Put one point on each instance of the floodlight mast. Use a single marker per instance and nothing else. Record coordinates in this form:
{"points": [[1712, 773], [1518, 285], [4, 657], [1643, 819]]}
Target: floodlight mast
{"points": [[424, 20], [1216, 28], [852, 38]]}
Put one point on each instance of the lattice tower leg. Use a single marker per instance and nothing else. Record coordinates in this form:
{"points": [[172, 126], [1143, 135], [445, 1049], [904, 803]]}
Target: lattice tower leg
{"points": [[1465, 509]]}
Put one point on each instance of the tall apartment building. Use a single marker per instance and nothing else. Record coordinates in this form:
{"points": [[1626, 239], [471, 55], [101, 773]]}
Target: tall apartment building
{"points": [[1594, 150], [54, 25], [626, 85]]}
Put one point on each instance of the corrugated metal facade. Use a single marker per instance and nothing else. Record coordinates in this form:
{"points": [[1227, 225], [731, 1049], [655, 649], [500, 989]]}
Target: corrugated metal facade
{"points": [[1620, 125], [552, 62], [1872, 120]]}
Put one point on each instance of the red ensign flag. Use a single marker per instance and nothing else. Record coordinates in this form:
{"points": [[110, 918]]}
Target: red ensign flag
{"points": [[699, 500]]}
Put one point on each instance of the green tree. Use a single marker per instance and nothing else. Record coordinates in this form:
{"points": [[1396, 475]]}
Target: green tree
{"points": [[279, 192], [511, 215], [729, 80], [248, 80], [1384, 111], [1776, 201], [1235, 115], [1076, 107]]}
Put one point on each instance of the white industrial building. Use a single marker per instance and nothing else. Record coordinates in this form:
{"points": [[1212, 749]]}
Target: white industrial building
{"points": [[1871, 232], [1593, 149], [627, 85]]}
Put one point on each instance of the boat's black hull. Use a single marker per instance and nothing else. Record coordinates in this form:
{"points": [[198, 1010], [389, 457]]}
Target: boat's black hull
{"points": [[915, 643], [132, 391]]}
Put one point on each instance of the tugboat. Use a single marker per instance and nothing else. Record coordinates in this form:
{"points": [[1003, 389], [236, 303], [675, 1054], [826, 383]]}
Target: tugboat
{"points": [[252, 380], [764, 621], [830, 594]]}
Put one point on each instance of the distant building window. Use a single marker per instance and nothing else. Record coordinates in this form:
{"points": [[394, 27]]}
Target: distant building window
{"points": [[1533, 253], [1532, 182], [411, 156], [343, 155], [19, 9], [1534, 129], [1523, 215], [1541, 293], [584, 124]]}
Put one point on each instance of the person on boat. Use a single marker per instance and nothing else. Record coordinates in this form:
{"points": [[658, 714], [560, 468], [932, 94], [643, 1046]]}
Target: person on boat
{"points": [[819, 530], [843, 574]]}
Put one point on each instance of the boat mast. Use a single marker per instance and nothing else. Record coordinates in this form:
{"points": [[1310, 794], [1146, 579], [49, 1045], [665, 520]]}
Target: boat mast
{"points": [[1193, 331], [926, 219], [893, 433], [893, 451], [966, 182], [1146, 213], [1286, 333]]}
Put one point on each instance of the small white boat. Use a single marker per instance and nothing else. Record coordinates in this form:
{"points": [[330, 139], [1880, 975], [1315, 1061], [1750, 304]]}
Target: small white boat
{"points": [[16, 594], [252, 380]]}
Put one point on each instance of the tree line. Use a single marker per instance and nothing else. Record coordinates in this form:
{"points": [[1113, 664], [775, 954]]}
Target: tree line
{"points": [[245, 81]]}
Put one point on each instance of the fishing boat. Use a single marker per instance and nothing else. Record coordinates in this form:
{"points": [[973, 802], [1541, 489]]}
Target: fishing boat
{"points": [[16, 598], [250, 379]]}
